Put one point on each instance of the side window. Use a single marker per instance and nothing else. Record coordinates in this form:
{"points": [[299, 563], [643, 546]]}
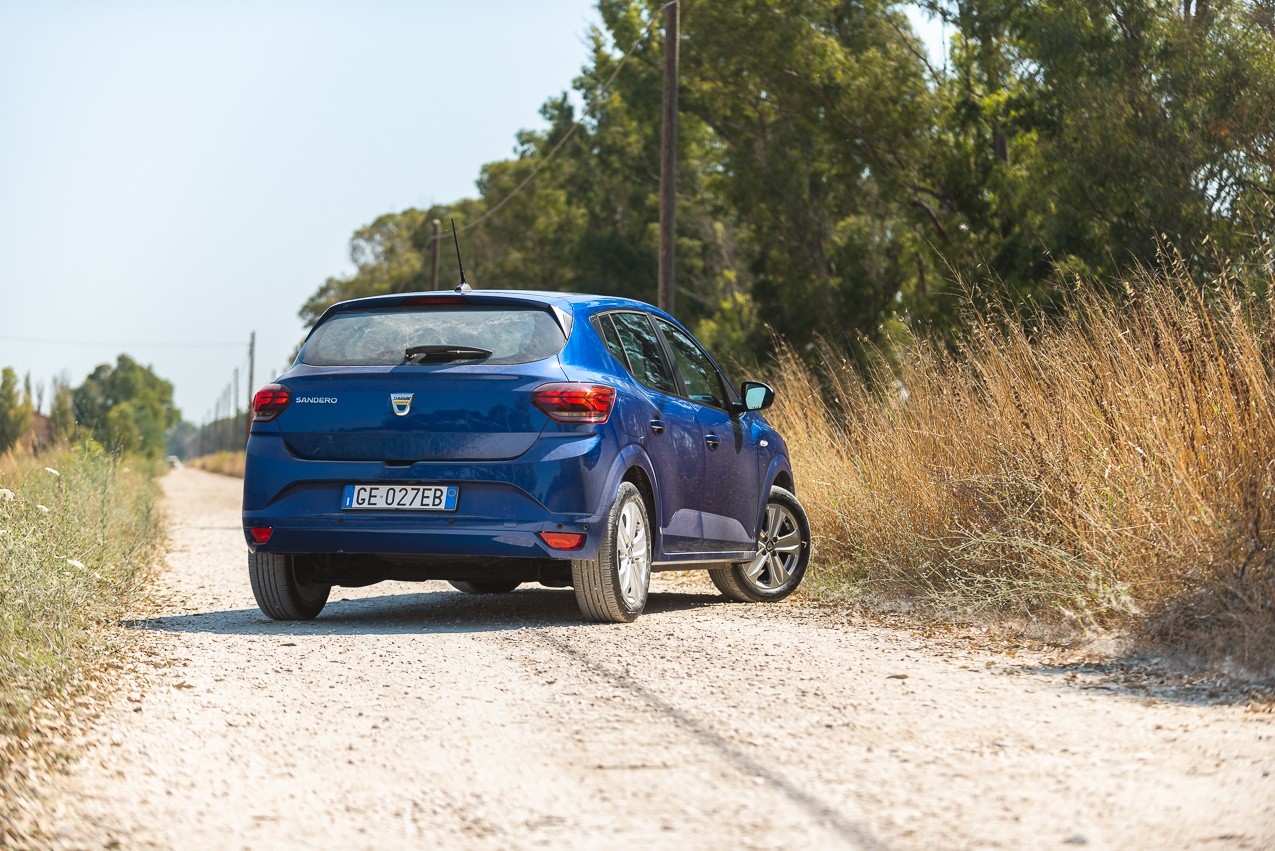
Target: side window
{"points": [[699, 376], [602, 324], [645, 354]]}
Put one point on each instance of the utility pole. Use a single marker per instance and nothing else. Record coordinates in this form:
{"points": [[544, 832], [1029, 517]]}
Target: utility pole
{"points": [[252, 364], [435, 234], [668, 155]]}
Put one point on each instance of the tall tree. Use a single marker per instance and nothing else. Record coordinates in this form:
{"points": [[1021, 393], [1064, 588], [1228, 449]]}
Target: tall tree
{"points": [[127, 407], [834, 179], [15, 411]]}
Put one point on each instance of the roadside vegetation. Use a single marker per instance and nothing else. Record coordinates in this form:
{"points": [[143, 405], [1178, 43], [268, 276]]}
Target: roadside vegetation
{"points": [[1113, 466], [80, 534], [1002, 398], [225, 463]]}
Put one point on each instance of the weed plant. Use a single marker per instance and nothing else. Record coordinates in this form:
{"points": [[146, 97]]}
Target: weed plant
{"points": [[1114, 466], [225, 463], [79, 532]]}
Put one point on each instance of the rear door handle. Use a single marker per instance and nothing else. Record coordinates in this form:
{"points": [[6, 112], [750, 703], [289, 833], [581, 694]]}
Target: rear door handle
{"points": [[713, 442], [657, 425]]}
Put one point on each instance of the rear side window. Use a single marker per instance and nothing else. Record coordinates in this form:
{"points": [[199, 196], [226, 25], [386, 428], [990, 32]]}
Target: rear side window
{"points": [[382, 337], [607, 332], [643, 349]]}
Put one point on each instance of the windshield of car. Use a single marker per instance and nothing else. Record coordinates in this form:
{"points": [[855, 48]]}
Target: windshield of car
{"points": [[382, 337]]}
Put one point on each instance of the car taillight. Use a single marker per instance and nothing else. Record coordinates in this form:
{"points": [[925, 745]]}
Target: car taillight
{"points": [[269, 402], [434, 300], [573, 402]]}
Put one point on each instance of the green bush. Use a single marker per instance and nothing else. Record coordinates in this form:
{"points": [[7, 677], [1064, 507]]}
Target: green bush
{"points": [[79, 533]]}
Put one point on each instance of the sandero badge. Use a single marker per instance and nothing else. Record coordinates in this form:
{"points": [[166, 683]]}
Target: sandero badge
{"points": [[402, 403], [571, 440]]}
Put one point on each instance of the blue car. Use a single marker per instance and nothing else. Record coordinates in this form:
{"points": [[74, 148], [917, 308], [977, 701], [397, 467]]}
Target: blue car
{"points": [[492, 438]]}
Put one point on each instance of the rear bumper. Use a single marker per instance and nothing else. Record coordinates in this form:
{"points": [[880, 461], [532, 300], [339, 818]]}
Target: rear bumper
{"points": [[560, 485]]}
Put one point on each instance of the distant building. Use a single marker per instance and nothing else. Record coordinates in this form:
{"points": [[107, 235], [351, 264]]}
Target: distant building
{"points": [[37, 437]]}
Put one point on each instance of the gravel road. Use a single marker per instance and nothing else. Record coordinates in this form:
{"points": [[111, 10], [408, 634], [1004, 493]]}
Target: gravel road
{"points": [[413, 716]]}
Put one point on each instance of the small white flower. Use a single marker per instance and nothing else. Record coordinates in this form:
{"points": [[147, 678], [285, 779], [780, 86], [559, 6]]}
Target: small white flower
{"points": [[6, 494], [75, 563], [44, 509], [51, 471], [126, 469]]}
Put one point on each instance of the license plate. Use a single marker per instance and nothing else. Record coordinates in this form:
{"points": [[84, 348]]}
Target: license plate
{"points": [[401, 497]]}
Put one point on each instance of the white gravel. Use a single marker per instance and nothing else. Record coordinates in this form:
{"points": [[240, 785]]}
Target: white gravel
{"points": [[413, 716]]}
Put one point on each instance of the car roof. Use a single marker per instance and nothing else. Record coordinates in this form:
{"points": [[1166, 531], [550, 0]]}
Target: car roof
{"points": [[570, 302]]}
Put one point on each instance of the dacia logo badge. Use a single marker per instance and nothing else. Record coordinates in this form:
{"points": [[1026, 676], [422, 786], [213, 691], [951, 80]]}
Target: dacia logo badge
{"points": [[402, 403]]}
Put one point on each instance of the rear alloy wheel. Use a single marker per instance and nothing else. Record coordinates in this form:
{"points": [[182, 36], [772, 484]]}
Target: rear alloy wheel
{"points": [[280, 593], [483, 586], [783, 549], [613, 587]]}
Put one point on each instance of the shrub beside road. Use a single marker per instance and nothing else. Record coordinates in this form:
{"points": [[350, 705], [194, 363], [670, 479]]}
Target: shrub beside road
{"points": [[80, 531], [1111, 467]]}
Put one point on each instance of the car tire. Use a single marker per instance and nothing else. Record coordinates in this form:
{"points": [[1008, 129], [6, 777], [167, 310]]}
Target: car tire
{"points": [[613, 587], [783, 551], [280, 594], [483, 586]]}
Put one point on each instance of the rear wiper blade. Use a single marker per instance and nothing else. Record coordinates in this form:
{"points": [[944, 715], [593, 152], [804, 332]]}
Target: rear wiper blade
{"points": [[444, 352]]}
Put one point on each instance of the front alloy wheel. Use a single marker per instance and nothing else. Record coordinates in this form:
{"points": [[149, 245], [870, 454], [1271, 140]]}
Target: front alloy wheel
{"points": [[613, 587], [783, 550]]}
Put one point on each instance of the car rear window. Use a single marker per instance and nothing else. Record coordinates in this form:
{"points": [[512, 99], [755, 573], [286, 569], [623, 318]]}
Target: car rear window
{"points": [[382, 337]]}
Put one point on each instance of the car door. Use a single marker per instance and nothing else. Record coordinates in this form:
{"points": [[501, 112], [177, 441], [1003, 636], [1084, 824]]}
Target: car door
{"points": [[729, 495], [672, 436]]}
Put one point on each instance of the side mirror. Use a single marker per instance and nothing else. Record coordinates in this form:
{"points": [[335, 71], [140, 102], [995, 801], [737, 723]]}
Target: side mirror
{"points": [[757, 396]]}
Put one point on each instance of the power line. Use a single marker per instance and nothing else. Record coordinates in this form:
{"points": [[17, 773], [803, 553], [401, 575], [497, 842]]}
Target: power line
{"points": [[601, 91], [137, 345]]}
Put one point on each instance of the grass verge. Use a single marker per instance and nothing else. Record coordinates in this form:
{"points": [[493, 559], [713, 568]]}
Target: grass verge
{"points": [[1114, 468], [79, 534], [225, 463]]}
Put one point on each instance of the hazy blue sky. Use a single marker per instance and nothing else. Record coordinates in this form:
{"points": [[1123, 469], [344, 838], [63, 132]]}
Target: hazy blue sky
{"points": [[174, 175]]}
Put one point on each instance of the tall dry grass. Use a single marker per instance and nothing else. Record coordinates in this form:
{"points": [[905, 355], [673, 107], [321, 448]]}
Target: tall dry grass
{"points": [[1112, 467], [79, 533], [226, 463]]}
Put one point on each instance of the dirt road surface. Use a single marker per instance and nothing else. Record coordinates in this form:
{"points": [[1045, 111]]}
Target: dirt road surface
{"points": [[411, 716]]}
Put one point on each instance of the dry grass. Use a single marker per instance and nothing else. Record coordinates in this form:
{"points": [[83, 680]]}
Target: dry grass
{"points": [[1113, 468], [225, 463], [78, 534]]}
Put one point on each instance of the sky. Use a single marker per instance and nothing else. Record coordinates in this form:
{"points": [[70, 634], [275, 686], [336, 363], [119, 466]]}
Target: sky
{"points": [[176, 175]]}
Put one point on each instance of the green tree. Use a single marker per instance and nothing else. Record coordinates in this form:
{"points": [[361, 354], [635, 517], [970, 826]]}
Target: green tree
{"points": [[834, 180], [127, 407], [1081, 136], [62, 423], [385, 258], [15, 411], [121, 431]]}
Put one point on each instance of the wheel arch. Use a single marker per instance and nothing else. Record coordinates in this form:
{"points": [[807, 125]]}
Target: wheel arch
{"points": [[633, 465], [642, 481], [779, 474]]}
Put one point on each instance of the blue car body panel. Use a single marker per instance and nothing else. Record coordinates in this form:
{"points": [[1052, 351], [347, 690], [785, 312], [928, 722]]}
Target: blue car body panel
{"points": [[518, 471]]}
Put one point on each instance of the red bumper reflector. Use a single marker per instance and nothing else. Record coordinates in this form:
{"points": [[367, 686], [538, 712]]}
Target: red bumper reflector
{"points": [[260, 534], [563, 540]]}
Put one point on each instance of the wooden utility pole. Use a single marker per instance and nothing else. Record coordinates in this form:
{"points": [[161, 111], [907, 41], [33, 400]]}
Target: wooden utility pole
{"points": [[668, 155], [435, 234], [252, 391]]}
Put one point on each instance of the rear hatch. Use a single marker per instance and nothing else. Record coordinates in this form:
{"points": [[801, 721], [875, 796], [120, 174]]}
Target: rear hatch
{"points": [[400, 384]]}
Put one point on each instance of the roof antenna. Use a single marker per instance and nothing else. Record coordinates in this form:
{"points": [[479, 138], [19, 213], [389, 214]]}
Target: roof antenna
{"points": [[463, 286]]}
